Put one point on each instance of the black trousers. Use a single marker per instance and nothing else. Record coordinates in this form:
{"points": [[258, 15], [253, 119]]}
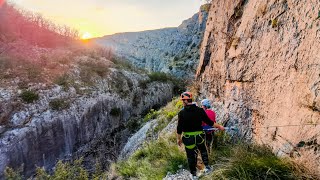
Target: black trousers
{"points": [[209, 140], [192, 153]]}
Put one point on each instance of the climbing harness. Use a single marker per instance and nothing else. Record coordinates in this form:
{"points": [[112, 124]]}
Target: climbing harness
{"points": [[193, 135]]}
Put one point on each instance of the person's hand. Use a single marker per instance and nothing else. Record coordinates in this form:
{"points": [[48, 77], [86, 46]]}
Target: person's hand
{"points": [[179, 141], [221, 128]]}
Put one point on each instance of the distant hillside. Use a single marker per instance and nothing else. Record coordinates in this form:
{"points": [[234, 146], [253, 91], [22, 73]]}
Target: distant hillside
{"points": [[172, 50], [33, 48], [31, 28]]}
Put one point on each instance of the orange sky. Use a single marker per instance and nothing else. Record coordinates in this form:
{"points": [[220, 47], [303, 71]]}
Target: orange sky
{"points": [[102, 17]]}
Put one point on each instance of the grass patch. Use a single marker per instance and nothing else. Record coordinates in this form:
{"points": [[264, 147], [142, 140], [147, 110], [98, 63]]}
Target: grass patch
{"points": [[165, 115], [64, 80], [179, 84], [58, 104], [126, 65], [153, 161], [250, 161], [91, 69], [29, 96]]}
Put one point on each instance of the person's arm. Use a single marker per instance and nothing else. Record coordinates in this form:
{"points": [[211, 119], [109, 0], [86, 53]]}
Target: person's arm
{"points": [[179, 139], [209, 122], [216, 125]]}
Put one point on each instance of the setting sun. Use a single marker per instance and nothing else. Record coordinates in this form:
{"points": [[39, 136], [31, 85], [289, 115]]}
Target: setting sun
{"points": [[86, 35]]}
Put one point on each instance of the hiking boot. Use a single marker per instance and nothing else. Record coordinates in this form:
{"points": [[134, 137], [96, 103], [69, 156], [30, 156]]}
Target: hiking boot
{"points": [[193, 177], [207, 170]]}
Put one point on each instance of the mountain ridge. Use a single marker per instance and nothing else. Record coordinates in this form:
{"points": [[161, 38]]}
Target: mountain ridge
{"points": [[171, 50]]}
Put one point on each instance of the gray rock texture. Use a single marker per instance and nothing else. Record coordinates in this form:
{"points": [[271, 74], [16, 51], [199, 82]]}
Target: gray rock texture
{"points": [[171, 50], [261, 61], [93, 126]]}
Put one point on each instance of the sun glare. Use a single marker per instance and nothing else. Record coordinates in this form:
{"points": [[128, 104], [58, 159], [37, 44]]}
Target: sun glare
{"points": [[1, 3], [86, 35]]}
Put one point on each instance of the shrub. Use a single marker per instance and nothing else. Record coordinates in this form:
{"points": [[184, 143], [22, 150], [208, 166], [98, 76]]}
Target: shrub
{"points": [[11, 174], [179, 84], [41, 174], [98, 68], [205, 7], [159, 76], [29, 96], [125, 64], [62, 170], [235, 42], [58, 104], [170, 114], [178, 105], [134, 124], [274, 23], [63, 80], [151, 115]]}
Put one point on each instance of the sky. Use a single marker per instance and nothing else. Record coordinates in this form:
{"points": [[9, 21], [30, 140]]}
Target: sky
{"points": [[95, 18]]}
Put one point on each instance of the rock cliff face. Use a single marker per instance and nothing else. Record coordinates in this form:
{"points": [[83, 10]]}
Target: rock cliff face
{"points": [[260, 63], [170, 50], [94, 126]]}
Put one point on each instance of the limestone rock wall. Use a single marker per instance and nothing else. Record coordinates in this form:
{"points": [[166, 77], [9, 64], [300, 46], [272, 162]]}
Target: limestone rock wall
{"points": [[92, 127], [260, 64]]}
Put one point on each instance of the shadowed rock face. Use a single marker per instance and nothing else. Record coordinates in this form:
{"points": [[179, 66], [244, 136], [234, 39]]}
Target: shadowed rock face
{"points": [[171, 50], [93, 127], [260, 64]]}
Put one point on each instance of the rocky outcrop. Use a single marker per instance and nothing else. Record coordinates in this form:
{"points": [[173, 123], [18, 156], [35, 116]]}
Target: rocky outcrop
{"points": [[260, 60], [170, 50], [94, 126]]}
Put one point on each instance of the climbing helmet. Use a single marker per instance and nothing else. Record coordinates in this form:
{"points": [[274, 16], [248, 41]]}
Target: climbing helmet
{"points": [[206, 103], [186, 95]]}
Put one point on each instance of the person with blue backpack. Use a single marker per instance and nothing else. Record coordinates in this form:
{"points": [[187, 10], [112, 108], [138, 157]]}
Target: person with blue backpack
{"points": [[191, 134]]}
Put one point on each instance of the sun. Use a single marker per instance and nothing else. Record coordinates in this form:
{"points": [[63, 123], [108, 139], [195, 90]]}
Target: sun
{"points": [[86, 35]]}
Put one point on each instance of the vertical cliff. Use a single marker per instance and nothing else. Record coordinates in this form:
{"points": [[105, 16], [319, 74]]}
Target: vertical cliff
{"points": [[260, 64]]}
